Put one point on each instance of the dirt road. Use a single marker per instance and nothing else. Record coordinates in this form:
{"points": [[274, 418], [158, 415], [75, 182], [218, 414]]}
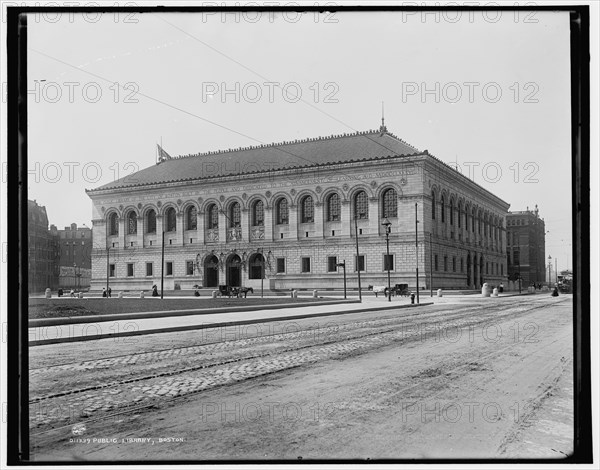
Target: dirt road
{"points": [[461, 381]]}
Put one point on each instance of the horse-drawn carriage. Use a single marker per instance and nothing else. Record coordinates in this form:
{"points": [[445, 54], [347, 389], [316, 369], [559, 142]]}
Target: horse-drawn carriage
{"points": [[230, 291], [398, 289]]}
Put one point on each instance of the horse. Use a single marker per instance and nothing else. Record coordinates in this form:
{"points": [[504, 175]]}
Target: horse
{"points": [[379, 290], [244, 290]]}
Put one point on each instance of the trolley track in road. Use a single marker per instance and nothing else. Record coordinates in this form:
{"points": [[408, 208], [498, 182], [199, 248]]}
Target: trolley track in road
{"points": [[386, 326]]}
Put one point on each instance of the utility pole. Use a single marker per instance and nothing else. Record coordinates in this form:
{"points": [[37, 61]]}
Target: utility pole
{"points": [[162, 265], [417, 248]]}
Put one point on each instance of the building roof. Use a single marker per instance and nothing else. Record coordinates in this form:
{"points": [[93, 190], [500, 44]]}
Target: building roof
{"points": [[344, 148]]}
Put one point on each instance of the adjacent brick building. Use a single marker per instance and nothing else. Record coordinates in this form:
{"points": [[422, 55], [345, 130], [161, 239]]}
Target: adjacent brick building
{"points": [[526, 247], [296, 207], [74, 256], [42, 250]]}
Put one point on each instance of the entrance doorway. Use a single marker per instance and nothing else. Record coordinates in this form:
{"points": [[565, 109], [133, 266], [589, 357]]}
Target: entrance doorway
{"points": [[234, 276], [211, 271]]}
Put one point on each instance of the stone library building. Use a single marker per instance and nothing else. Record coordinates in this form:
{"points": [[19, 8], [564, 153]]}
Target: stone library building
{"points": [[289, 214]]}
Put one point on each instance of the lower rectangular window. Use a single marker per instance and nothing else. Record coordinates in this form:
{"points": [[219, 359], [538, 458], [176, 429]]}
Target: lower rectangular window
{"points": [[388, 262], [129, 269], [281, 265], [189, 268], [148, 269], [111, 270], [305, 265], [359, 263], [331, 264], [169, 268]]}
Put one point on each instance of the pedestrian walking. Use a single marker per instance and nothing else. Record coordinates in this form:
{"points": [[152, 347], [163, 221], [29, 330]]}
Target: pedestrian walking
{"points": [[109, 291], [154, 291], [104, 292], [501, 288]]}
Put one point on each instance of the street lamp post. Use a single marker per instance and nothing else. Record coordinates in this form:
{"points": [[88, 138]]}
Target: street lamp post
{"points": [[343, 265], [549, 270], [107, 267], [357, 258], [388, 228]]}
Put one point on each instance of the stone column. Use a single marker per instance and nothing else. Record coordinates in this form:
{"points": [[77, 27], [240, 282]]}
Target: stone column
{"points": [[140, 233], [122, 234], [223, 225], [159, 229], [180, 229], [347, 220], [293, 216], [319, 219], [268, 223], [374, 223], [200, 227], [245, 221]]}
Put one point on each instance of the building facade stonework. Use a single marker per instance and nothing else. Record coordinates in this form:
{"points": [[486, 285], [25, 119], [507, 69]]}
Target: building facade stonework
{"points": [[290, 212]]}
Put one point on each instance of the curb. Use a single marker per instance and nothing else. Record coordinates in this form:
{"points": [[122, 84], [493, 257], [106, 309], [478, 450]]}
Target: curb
{"points": [[74, 339], [37, 322]]}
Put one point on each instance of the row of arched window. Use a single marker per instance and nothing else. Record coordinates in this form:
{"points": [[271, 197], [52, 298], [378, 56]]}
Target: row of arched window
{"points": [[333, 213], [490, 226]]}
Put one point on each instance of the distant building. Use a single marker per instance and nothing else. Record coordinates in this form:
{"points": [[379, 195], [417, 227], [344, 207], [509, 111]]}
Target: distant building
{"points": [[42, 267], [74, 257], [526, 246]]}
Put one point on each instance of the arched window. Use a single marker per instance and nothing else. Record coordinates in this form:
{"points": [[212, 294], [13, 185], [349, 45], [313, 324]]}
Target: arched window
{"points": [[390, 203], [113, 224], [451, 211], [171, 217], [333, 207], [258, 213], [479, 222], [131, 223], [473, 220], [459, 214], [151, 221], [191, 216], [361, 205], [256, 264], [213, 216], [235, 215], [307, 215], [282, 211], [443, 209], [432, 205]]}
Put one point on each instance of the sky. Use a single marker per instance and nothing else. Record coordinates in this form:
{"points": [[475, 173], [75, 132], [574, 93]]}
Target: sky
{"points": [[487, 91]]}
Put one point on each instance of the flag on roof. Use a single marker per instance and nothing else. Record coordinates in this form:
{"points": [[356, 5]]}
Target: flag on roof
{"points": [[162, 155]]}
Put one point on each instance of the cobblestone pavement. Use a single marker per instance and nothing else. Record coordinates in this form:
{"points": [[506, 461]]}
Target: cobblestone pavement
{"points": [[97, 388]]}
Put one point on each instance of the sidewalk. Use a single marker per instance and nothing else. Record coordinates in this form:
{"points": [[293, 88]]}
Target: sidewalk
{"points": [[142, 324], [51, 334]]}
